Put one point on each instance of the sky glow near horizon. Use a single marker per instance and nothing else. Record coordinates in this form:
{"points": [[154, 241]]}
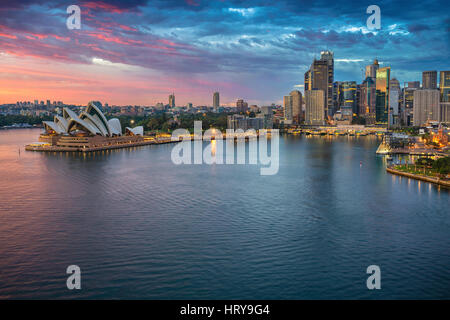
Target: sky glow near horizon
{"points": [[138, 52]]}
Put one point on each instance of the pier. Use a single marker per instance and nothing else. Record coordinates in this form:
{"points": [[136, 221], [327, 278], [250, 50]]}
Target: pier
{"points": [[85, 146], [51, 143]]}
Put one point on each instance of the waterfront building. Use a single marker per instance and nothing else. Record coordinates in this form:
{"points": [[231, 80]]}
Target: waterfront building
{"points": [[267, 119], [346, 113], [89, 129], [216, 101], [237, 121], [429, 79], [315, 107], [426, 106], [444, 86], [382, 99]]}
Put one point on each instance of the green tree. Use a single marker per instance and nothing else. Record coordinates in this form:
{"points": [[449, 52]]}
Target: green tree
{"points": [[442, 165]]}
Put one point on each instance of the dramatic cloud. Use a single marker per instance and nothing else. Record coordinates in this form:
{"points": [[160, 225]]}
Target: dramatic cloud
{"points": [[256, 50]]}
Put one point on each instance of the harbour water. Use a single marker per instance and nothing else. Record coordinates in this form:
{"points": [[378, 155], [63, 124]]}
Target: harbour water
{"points": [[139, 226]]}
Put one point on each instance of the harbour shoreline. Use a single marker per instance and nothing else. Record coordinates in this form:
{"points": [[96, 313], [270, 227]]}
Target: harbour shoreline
{"points": [[437, 181]]}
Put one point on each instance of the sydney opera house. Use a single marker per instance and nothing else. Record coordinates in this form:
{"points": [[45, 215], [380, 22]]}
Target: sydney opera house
{"points": [[88, 131]]}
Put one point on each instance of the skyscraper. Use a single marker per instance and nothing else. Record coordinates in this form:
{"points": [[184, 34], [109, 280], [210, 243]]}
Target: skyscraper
{"points": [[394, 97], [429, 79], [216, 101], [172, 100], [296, 98], [371, 70], [444, 112], [408, 102], [368, 100], [394, 84], [382, 99], [348, 95], [328, 56], [315, 107], [320, 76], [444, 86], [287, 108], [336, 93], [426, 106]]}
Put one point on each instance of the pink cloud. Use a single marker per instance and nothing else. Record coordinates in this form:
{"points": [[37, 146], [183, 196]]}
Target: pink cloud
{"points": [[38, 36], [61, 38], [9, 36], [104, 6], [127, 28]]}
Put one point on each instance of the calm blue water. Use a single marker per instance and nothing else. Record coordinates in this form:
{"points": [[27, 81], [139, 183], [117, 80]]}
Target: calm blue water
{"points": [[140, 227]]}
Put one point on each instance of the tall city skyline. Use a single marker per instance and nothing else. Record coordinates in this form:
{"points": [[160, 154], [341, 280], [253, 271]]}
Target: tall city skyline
{"points": [[139, 52]]}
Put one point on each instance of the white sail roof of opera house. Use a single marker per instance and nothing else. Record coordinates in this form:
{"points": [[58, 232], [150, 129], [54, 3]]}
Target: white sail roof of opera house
{"points": [[136, 131], [94, 109], [91, 121], [114, 127], [52, 126]]}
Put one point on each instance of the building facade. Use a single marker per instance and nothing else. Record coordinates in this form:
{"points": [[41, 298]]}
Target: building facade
{"points": [[216, 101], [320, 76], [444, 86], [444, 113], [408, 102], [296, 101], [426, 106], [172, 100], [382, 99], [394, 99], [348, 96], [241, 106], [371, 70], [315, 107], [237, 121], [429, 79], [368, 100]]}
